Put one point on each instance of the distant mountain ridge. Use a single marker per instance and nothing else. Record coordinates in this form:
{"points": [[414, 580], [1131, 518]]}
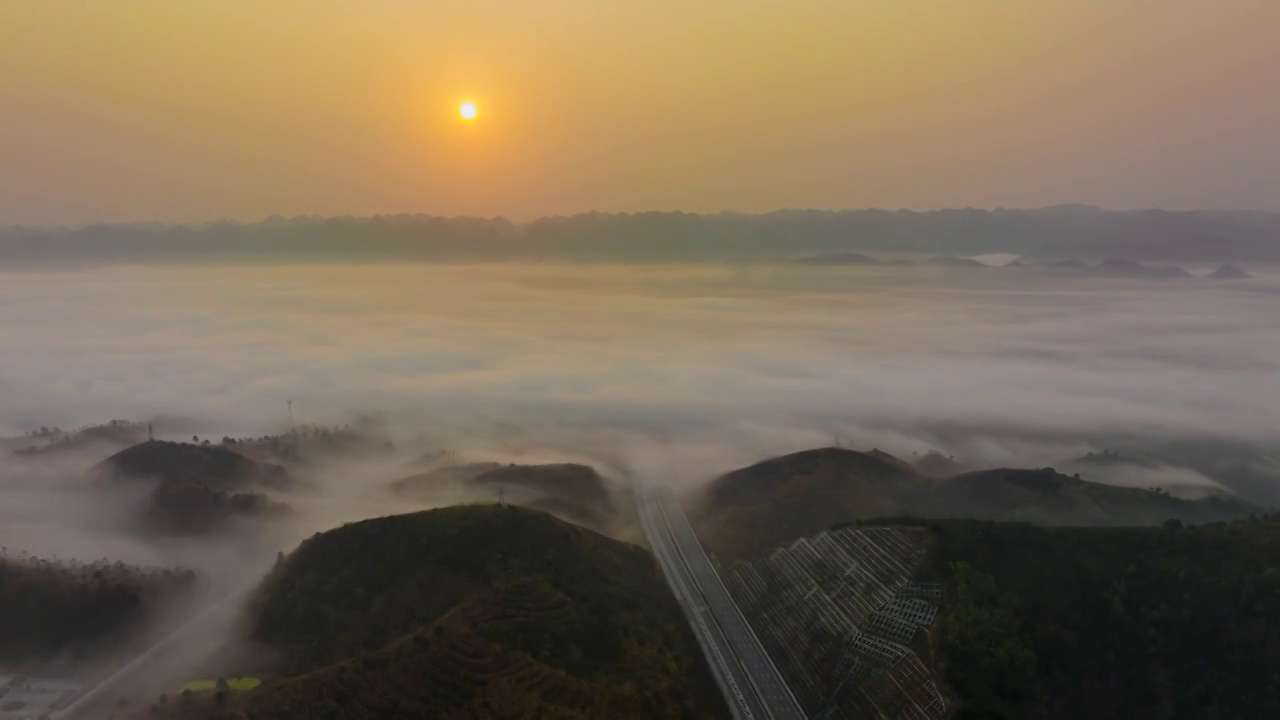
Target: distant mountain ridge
{"points": [[1061, 231]]}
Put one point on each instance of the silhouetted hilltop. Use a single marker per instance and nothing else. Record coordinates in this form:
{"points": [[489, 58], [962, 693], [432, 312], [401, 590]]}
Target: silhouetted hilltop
{"points": [[569, 480], [475, 611], [1046, 497], [768, 504], [761, 506], [174, 462], [314, 443], [46, 441], [197, 487], [573, 492], [427, 484]]}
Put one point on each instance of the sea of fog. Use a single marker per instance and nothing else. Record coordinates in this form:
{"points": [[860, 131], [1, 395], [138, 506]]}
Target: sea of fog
{"points": [[661, 368]]}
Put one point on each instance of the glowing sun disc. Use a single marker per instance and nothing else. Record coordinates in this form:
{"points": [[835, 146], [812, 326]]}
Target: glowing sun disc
{"points": [[467, 110]]}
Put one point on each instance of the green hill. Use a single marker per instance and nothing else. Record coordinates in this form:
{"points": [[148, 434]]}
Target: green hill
{"points": [[750, 510], [1046, 497], [768, 504], [479, 611], [1111, 623], [197, 487], [184, 463]]}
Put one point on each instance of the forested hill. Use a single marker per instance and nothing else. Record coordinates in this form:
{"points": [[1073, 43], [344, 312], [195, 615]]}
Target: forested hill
{"points": [[753, 509], [478, 611], [1111, 623], [69, 610]]}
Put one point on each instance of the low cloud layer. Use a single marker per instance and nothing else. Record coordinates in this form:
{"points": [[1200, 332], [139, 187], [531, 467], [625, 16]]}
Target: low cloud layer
{"points": [[687, 351]]}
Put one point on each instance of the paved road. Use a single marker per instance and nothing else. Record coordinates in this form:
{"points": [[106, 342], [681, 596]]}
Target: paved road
{"points": [[751, 683], [94, 702]]}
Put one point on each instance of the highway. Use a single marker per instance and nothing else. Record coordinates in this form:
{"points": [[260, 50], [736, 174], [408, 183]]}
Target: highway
{"points": [[750, 681]]}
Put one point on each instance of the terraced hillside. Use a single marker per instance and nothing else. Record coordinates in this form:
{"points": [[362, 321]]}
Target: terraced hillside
{"points": [[846, 621], [480, 611]]}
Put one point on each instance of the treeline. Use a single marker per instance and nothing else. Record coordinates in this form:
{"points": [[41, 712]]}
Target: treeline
{"points": [[1066, 231], [307, 441], [120, 432], [52, 607], [1166, 622]]}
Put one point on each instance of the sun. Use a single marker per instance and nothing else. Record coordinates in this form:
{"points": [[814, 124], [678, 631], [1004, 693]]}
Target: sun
{"points": [[467, 111]]}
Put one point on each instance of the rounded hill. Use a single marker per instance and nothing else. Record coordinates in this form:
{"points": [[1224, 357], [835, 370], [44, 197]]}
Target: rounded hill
{"points": [[475, 611]]}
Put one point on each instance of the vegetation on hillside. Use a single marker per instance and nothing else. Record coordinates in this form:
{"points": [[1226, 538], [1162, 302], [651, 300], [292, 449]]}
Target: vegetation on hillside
{"points": [[53, 440], [58, 608], [1111, 623], [572, 492], [197, 487], [751, 510], [310, 442], [480, 611], [767, 504]]}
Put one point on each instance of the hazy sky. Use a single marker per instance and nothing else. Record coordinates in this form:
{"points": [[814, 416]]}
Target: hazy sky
{"points": [[182, 111]]}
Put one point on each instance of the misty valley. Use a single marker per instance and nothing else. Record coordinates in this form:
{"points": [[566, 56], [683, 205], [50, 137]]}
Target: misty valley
{"points": [[495, 490]]}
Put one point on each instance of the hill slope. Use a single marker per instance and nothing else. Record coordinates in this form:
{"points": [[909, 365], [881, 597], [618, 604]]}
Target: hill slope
{"points": [[476, 611], [753, 509], [1111, 623], [759, 507], [572, 492], [197, 487], [1045, 497], [68, 610]]}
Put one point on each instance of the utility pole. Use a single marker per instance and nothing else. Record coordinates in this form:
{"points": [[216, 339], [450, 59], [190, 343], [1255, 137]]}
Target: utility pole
{"points": [[151, 436], [290, 404], [502, 495]]}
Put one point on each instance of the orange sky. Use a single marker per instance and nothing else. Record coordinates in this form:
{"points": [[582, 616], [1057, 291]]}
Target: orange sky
{"points": [[135, 110]]}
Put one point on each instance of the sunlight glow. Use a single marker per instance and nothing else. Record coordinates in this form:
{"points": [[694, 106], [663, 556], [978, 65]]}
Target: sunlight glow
{"points": [[467, 110]]}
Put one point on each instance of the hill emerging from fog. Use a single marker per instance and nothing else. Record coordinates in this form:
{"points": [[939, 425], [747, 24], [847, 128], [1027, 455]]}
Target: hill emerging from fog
{"points": [[753, 509], [65, 611], [479, 611], [196, 487], [52, 441], [575, 493]]}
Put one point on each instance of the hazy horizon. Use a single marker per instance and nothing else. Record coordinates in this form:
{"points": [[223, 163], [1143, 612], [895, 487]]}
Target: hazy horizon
{"points": [[134, 111], [534, 219]]}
